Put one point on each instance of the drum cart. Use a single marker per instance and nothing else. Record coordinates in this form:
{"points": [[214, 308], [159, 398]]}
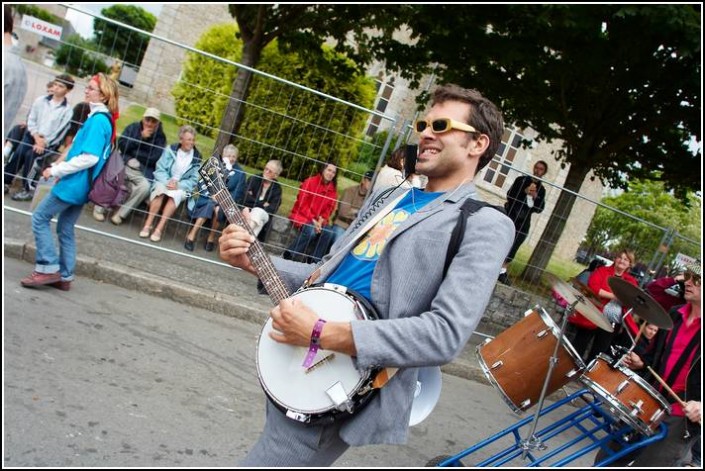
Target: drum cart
{"points": [[580, 432]]}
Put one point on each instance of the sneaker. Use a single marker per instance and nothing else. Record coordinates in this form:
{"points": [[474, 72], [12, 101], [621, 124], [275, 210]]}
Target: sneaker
{"points": [[98, 214], [40, 279], [24, 195], [62, 285], [116, 219], [188, 245], [504, 279]]}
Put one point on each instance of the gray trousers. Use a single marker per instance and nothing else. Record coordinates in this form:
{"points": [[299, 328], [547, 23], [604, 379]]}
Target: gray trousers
{"points": [[285, 442], [139, 190]]}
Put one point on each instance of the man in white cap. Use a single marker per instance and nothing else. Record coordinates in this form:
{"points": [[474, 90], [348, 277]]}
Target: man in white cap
{"points": [[141, 144]]}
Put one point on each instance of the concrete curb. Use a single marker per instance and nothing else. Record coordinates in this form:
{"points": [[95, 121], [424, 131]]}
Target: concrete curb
{"points": [[119, 275]]}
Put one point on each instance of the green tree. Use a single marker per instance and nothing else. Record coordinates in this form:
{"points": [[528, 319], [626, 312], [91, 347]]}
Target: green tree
{"points": [[117, 41], [40, 13], [648, 201], [617, 86], [79, 57], [302, 28], [282, 124]]}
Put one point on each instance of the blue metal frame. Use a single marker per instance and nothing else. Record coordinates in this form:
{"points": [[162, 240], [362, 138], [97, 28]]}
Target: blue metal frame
{"points": [[600, 429]]}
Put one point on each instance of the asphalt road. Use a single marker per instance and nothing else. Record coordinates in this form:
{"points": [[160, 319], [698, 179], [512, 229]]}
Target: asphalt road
{"points": [[102, 376]]}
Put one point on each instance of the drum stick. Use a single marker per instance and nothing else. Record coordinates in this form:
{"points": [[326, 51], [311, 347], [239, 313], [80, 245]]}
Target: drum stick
{"points": [[663, 383]]}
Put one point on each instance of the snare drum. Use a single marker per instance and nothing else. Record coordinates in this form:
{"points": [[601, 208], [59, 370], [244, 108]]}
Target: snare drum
{"points": [[627, 395], [516, 362]]}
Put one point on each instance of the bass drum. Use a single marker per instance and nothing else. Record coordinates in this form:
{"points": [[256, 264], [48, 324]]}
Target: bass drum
{"points": [[332, 385], [516, 362]]}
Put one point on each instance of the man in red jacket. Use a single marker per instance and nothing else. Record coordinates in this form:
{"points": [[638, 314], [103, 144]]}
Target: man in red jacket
{"points": [[310, 215]]}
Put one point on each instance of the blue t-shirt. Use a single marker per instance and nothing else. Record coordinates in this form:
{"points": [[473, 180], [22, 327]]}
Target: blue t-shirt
{"points": [[355, 271]]}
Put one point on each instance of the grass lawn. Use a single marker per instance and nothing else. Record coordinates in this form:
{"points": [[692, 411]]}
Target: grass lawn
{"points": [[205, 144], [563, 269]]}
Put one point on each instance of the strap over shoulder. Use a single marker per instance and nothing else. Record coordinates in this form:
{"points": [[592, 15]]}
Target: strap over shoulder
{"points": [[467, 209]]}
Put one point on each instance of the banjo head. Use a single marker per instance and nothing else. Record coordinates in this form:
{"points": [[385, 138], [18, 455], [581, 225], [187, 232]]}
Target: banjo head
{"points": [[304, 390]]}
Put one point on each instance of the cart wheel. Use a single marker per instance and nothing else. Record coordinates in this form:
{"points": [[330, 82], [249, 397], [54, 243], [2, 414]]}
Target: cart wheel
{"points": [[434, 462]]}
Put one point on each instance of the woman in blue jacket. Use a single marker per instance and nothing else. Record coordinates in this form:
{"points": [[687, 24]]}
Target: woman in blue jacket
{"points": [[175, 177], [90, 150]]}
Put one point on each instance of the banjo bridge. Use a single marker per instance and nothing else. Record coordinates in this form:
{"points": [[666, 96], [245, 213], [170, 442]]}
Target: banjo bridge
{"points": [[320, 362]]}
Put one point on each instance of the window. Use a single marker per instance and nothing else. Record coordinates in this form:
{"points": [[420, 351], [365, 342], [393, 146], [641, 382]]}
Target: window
{"points": [[503, 160], [384, 94]]}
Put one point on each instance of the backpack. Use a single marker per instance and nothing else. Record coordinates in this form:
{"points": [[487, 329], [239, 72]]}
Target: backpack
{"points": [[108, 188]]}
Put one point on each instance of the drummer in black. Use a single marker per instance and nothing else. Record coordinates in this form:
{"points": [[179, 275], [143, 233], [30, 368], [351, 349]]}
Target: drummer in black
{"points": [[676, 359]]}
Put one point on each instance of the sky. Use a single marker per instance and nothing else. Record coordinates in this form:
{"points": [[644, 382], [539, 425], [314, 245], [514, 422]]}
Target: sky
{"points": [[83, 24]]}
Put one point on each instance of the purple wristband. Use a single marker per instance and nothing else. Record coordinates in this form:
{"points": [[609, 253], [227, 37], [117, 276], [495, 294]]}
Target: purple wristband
{"points": [[315, 343]]}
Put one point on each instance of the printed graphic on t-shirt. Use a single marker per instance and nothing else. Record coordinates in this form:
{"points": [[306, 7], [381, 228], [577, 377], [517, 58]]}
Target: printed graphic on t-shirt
{"points": [[372, 245]]}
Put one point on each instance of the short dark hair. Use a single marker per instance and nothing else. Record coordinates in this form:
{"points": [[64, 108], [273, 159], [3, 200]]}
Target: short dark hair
{"points": [[65, 79], [7, 26], [396, 160], [545, 165], [484, 116]]}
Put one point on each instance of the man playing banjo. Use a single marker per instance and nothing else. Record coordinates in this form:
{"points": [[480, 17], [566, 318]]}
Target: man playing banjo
{"points": [[426, 309]]}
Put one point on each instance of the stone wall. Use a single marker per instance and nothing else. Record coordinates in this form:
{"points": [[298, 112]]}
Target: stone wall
{"points": [[508, 305], [161, 67]]}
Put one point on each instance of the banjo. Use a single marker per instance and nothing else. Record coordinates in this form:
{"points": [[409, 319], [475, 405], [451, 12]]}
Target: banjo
{"points": [[331, 387]]}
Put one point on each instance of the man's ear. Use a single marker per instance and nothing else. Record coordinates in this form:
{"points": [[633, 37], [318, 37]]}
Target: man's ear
{"points": [[478, 145]]}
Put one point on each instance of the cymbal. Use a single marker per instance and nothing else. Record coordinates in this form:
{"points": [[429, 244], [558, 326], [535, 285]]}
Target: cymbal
{"points": [[642, 304], [583, 304]]}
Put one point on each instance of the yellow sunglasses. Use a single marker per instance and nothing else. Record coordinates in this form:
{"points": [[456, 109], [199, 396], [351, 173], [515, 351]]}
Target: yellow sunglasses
{"points": [[441, 125]]}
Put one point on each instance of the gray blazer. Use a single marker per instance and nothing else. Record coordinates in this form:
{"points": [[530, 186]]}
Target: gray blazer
{"points": [[425, 320]]}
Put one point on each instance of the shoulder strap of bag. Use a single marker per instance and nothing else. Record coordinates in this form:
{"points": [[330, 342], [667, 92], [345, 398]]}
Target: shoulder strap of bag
{"points": [[90, 170], [467, 209]]}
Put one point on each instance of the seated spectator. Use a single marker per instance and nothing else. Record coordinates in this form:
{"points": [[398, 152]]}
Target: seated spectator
{"points": [[175, 176], [348, 206], [14, 137], [141, 145], [204, 208], [263, 195], [47, 124], [312, 210]]}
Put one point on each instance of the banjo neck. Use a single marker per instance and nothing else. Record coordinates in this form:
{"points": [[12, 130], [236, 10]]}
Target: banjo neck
{"points": [[266, 272]]}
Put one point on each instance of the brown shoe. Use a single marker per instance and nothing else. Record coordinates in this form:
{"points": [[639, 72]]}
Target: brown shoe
{"points": [[40, 279], [62, 285]]}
